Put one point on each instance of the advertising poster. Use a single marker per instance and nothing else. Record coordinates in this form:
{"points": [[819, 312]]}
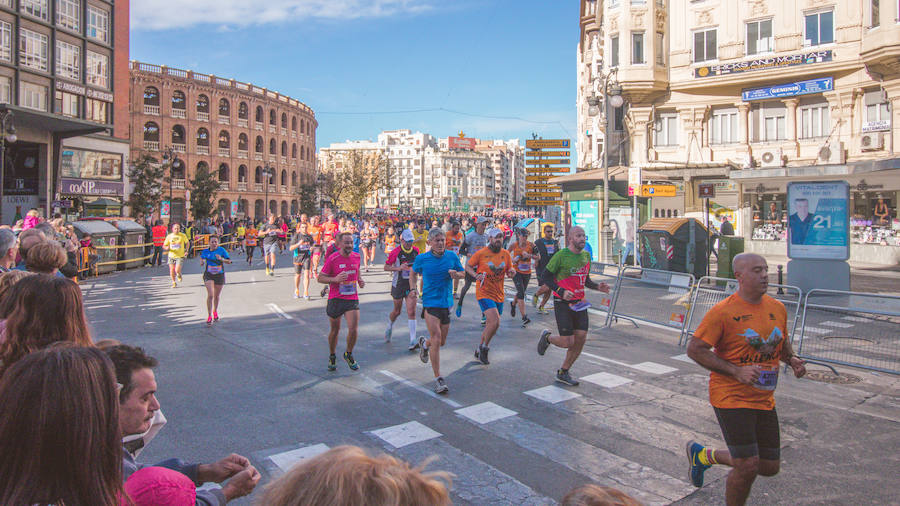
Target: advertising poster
{"points": [[586, 214], [819, 220], [621, 225], [234, 208], [164, 209], [85, 164]]}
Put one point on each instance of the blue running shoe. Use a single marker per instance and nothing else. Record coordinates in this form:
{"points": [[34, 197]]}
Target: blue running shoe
{"points": [[696, 469], [458, 311]]}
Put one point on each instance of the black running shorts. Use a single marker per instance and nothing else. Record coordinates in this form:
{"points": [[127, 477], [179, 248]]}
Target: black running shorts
{"points": [[750, 432], [337, 307], [568, 321], [441, 313], [401, 291], [217, 279], [521, 281]]}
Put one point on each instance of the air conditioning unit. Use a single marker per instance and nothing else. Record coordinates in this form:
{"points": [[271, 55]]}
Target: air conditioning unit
{"points": [[871, 141], [832, 153], [771, 158]]}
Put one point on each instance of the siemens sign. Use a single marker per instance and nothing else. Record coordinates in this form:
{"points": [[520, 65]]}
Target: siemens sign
{"points": [[789, 89]]}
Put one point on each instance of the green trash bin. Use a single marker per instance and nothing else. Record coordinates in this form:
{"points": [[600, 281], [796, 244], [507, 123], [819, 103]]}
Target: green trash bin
{"points": [[729, 247]]}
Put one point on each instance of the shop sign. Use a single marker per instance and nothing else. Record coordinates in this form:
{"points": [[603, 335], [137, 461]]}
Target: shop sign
{"points": [[89, 187], [706, 190], [789, 89], [63, 204], [876, 126], [83, 91], [819, 220], [764, 63], [634, 180], [461, 143]]}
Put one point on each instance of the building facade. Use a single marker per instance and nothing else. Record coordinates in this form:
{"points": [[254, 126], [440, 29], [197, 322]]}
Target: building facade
{"points": [[237, 130], [63, 100], [461, 180], [335, 157], [750, 96]]}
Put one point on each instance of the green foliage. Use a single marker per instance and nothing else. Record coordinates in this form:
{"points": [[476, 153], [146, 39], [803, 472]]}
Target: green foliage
{"points": [[204, 187], [147, 175]]}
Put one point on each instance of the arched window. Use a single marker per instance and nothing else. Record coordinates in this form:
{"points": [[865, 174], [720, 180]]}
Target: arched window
{"points": [[224, 107], [243, 111], [273, 207], [202, 137], [258, 209], [272, 117], [203, 103], [293, 178], [223, 172], [257, 178], [151, 96], [259, 114], [151, 131], [202, 167], [294, 151], [284, 149], [242, 174], [302, 126], [224, 139], [294, 207], [243, 142], [294, 123], [283, 178], [284, 120], [272, 146], [178, 100], [259, 144], [284, 208], [178, 136], [302, 152]]}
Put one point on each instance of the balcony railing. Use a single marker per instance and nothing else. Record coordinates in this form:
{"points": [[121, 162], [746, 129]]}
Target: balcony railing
{"points": [[294, 134], [202, 150], [258, 156], [242, 186], [283, 131], [223, 185], [151, 145], [258, 126], [284, 189], [151, 109], [242, 122], [179, 148], [223, 120], [224, 152], [178, 113], [283, 159], [242, 153], [202, 116], [178, 184], [272, 129], [257, 187]]}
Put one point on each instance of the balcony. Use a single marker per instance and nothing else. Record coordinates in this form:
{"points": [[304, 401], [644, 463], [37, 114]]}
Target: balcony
{"points": [[242, 122], [223, 120], [178, 113], [257, 187], [258, 126], [283, 159], [223, 185], [242, 153], [294, 134], [179, 148], [242, 186], [151, 109], [151, 145], [202, 116], [284, 189], [178, 184], [258, 156], [202, 150], [272, 129], [224, 152], [283, 131]]}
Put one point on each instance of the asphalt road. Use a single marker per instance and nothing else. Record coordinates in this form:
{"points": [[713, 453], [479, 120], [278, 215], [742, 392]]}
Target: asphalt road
{"points": [[256, 383]]}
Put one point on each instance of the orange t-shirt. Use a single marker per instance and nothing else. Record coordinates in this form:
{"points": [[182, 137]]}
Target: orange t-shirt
{"points": [[454, 241], [745, 334], [252, 234], [330, 231], [495, 266], [316, 233], [522, 266]]}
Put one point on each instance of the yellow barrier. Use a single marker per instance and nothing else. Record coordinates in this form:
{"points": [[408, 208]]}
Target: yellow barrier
{"points": [[125, 246], [117, 262]]}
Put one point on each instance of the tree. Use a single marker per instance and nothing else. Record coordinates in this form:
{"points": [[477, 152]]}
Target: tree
{"points": [[307, 194], [352, 176], [204, 187], [147, 176]]}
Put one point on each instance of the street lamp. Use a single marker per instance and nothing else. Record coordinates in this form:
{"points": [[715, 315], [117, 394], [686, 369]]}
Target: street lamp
{"points": [[169, 154], [268, 171], [612, 96], [7, 134]]}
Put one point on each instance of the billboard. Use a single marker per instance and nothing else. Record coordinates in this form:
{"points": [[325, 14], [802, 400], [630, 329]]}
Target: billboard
{"points": [[586, 214], [461, 143], [85, 164], [819, 220]]}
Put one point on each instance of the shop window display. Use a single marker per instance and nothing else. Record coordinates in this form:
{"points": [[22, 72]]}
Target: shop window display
{"points": [[875, 220], [770, 219]]}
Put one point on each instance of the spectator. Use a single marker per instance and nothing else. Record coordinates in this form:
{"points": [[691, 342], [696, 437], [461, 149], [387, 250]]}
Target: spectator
{"points": [[8, 250], [93, 257], [727, 228], [7, 280], [155, 486], [27, 239], [594, 495], [41, 310], [137, 407], [59, 430], [32, 218], [347, 475], [46, 258]]}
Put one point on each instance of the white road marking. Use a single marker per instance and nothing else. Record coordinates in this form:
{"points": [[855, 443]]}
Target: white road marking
{"points": [[286, 460], [840, 325], [858, 319], [485, 412], [683, 358], [817, 330], [606, 380], [552, 394], [648, 367], [404, 434], [280, 312], [420, 388]]}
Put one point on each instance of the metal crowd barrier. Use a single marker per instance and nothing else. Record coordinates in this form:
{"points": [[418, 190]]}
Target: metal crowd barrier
{"points": [[611, 275], [711, 290], [855, 329], [653, 296]]}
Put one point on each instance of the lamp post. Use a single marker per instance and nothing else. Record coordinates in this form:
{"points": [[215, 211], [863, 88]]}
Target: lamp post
{"points": [[612, 96], [268, 172], [7, 134], [169, 154]]}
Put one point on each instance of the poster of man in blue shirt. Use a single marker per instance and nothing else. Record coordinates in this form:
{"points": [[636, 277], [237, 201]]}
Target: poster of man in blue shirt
{"points": [[800, 221], [819, 220]]}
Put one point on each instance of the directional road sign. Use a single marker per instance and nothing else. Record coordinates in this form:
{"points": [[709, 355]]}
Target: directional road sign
{"points": [[547, 161], [542, 153], [547, 143], [543, 202], [658, 190]]}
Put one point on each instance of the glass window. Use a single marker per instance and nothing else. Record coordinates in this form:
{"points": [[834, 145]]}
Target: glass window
{"points": [[877, 106], [97, 69], [759, 37], [67, 104], [614, 51], [660, 49], [33, 96], [68, 60], [637, 48], [819, 28], [33, 49], [705, 45], [666, 129], [769, 122], [723, 126], [5, 90], [97, 24], [68, 14], [97, 110], [814, 120], [5, 41], [37, 8], [876, 14]]}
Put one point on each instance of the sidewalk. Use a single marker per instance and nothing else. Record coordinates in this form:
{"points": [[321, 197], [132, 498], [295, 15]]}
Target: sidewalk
{"points": [[873, 278]]}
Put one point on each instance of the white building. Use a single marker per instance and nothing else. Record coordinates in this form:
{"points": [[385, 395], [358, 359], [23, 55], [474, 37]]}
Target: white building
{"points": [[460, 179], [405, 152]]}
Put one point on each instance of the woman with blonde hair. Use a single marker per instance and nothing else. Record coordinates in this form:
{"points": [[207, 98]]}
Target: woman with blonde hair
{"points": [[346, 475], [46, 258]]}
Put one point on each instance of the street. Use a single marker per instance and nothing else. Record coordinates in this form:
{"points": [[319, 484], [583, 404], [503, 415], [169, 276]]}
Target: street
{"points": [[255, 383]]}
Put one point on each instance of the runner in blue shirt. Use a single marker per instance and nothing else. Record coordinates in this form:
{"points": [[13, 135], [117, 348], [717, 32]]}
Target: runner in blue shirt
{"points": [[214, 257], [438, 269]]}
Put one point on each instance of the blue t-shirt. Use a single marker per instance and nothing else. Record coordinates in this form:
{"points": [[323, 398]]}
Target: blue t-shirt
{"points": [[214, 266], [437, 286]]}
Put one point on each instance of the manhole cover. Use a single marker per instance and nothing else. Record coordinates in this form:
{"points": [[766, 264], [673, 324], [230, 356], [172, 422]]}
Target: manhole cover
{"points": [[849, 338], [829, 377]]}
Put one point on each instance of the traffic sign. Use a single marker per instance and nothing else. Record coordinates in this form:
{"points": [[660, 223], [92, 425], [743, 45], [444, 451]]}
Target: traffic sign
{"points": [[658, 190], [706, 190], [547, 143], [542, 195], [538, 186], [542, 153], [634, 180], [543, 202], [549, 170], [538, 178], [547, 161]]}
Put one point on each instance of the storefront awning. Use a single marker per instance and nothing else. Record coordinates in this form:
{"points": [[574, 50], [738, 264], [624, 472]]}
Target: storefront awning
{"points": [[61, 126], [889, 167], [619, 172]]}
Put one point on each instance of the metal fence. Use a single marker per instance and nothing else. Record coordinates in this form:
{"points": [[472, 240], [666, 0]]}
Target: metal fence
{"points": [[653, 296], [851, 328], [611, 275], [711, 290]]}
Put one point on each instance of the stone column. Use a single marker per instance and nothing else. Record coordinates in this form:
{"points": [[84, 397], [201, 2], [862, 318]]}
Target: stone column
{"points": [[791, 126], [744, 119]]}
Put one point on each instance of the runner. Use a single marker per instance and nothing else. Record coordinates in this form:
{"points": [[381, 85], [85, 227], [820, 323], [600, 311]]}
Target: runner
{"points": [[213, 257], [316, 232], [250, 241], [567, 274], [390, 240], [282, 236], [239, 233], [475, 241], [370, 240], [341, 274], [522, 253], [546, 247], [420, 235], [400, 262], [436, 267], [269, 233], [741, 341], [176, 244], [489, 265], [455, 239], [302, 250]]}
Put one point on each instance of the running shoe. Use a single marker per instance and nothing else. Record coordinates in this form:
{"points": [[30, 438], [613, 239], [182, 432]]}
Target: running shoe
{"points": [[324, 289], [272, 273], [525, 321], [534, 300], [348, 357], [174, 285], [483, 320], [695, 468], [332, 362], [482, 354], [458, 310], [440, 386], [512, 309], [179, 278], [215, 316], [543, 311], [413, 345], [267, 270], [544, 342], [306, 297], [209, 320], [423, 350], [296, 294], [565, 378], [387, 334]]}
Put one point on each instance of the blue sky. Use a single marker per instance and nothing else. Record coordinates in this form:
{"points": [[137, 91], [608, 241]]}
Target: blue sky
{"points": [[365, 65]]}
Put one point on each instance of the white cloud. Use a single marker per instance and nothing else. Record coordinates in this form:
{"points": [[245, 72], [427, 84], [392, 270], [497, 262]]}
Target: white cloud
{"points": [[168, 14]]}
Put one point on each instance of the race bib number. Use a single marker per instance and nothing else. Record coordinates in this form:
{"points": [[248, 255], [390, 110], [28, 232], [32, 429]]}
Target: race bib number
{"points": [[551, 250], [455, 249], [580, 306], [304, 247], [404, 274], [347, 288], [768, 379], [175, 245], [214, 269], [526, 266]]}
